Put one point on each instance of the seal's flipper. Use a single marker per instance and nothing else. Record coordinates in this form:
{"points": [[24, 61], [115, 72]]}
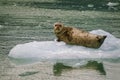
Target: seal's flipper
{"points": [[101, 40]]}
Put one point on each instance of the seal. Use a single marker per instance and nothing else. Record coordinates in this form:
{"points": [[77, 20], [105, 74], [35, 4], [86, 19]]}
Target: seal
{"points": [[74, 36]]}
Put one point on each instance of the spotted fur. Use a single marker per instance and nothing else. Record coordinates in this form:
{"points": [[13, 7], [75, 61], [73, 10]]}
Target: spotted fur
{"points": [[76, 36]]}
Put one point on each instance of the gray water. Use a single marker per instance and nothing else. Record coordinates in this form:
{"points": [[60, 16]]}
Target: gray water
{"points": [[23, 22]]}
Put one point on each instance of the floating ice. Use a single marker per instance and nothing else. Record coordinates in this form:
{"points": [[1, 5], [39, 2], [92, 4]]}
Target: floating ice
{"points": [[60, 50], [90, 5], [113, 5]]}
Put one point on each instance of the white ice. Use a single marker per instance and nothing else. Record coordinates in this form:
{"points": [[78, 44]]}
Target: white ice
{"points": [[60, 50]]}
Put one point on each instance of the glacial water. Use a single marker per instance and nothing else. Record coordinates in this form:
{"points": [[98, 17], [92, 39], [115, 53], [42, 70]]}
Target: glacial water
{"points": [[27, 37]]}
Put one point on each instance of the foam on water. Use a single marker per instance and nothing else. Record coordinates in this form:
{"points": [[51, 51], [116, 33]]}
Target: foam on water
{"points": [[60, 50]]}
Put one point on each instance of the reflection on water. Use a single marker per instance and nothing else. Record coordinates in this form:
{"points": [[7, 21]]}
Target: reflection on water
{"points": [[59, 67], [23, 21]]}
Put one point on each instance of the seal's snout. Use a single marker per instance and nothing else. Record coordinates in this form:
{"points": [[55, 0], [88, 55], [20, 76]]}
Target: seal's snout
{"points": [[58, 26]]}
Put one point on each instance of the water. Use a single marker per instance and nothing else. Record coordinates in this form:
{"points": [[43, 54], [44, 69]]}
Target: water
{"points": [[29, 24]]}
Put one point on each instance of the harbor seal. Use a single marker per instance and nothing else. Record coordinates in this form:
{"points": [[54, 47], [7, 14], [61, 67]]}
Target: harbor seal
{"points": [[76, 36]]}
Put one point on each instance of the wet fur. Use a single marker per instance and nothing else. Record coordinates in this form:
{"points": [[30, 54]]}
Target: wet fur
{"points": [[80, 37]]}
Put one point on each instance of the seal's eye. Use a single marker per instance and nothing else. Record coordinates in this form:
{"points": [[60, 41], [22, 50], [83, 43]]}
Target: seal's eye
{"points": [[58, 25]]}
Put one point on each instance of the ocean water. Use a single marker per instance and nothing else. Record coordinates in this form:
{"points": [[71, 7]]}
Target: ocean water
{"points": [[27, 37]]}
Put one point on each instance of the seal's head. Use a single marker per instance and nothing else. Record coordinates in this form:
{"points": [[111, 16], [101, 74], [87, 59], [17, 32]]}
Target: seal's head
{"points": [[58, 27]]}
